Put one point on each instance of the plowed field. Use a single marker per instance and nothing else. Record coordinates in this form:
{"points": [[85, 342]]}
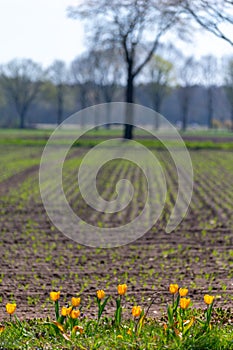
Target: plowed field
{"points": [[36, 258]]}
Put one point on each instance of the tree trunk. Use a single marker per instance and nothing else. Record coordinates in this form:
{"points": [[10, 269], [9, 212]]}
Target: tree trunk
{"points": [[157, 106], [59, 104], [129, 98], [185, 107], [108, 114], [22, 120], [184, 119], [210, 107], [232, 117]]}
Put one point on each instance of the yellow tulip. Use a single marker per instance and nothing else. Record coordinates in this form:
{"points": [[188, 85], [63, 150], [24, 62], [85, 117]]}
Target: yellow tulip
{"points": [[54, 296], [208, 299], [65, 311], [10, 308], [100, 294], [75, 301], [173, 288], [122, 289], [184, 303], [136, 311], [75, 313], [183, 292]]}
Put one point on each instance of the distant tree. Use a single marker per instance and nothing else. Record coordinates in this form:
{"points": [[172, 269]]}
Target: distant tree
{"points": [[127, 23], [229, 87], [82, 80], [81, 77], [107, 73], [209, 77], [21, 79], [187, 76], [158, 74], [58, 75], [97, 74]]}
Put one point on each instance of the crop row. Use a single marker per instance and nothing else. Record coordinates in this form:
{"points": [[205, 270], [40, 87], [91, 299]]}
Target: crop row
{"points": [[36, 257]]}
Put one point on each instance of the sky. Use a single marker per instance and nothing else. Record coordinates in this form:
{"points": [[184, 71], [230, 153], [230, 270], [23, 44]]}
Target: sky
{"points": [[40, 30]]}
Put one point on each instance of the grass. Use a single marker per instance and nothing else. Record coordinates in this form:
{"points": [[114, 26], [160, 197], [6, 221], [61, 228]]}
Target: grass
{"points": [[39, 334], [57, 262], [38, 138], [180, 328]]}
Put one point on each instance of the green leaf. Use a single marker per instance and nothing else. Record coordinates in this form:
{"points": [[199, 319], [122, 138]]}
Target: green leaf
{"points": [[105, 302], [140, 323], [189, 325], [61, 319], [57, 309], [170, 314], [177, 302], [200, 321], [118, 316]]}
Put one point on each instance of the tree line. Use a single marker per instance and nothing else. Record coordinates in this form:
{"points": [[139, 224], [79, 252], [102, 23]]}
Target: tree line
{"points": [[184, 90], [136, 27], [124, 53]]}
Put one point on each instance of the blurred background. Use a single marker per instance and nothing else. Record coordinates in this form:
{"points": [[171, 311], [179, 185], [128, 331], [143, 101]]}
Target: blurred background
{"points": [[172, 56]]}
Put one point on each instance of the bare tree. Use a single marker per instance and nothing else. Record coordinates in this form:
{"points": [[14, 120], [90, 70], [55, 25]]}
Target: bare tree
{"points": [[209, 78], [107, 66], [126, 24], [107, 75], [80, 76], [187, 74], [158, 73], [58, 75], [229, 87], [97, 74], [21, 80], [82, 79], [212, 15]]}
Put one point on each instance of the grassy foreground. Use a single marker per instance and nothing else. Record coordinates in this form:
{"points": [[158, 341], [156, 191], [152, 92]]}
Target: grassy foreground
{"points": [[181, 327]]}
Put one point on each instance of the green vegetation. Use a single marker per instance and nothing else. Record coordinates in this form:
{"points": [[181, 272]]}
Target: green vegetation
{"points": [[36, 258], [39, 138], [182, 327]]}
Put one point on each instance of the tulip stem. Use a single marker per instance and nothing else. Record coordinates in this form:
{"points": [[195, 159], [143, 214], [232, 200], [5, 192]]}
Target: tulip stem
{"points": [[182, 318], [57, 310]]}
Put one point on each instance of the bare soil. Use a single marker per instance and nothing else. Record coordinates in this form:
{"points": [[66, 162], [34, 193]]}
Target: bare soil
{"points": [[36, 258]]}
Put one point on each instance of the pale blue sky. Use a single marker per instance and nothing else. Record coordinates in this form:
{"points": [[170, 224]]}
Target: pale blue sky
{"points": [[39, 29]]}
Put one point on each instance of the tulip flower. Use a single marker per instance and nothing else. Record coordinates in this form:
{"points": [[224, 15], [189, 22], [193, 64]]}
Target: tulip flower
{"points": [[183, 292], [173, 288], [100, 294], [184, 303], [65, 311], [10, 308], [122, 289], [208, 299], [75, 301], [54, 296], [136, 311], [75, 313]]}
